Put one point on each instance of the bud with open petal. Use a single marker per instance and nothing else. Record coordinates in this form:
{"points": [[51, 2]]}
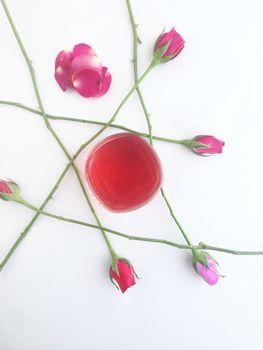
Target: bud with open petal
{"points": [[122, 272], [211, 145], [168, 46]]}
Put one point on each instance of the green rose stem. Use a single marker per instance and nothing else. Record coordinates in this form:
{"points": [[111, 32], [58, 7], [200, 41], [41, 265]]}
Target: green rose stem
{"points": [[147, 114], [94, 122], [139, 238], [71, 163], [49, 127]]}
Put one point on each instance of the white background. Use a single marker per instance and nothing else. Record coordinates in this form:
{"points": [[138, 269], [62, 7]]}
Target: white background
{"points": [[55, 293]]}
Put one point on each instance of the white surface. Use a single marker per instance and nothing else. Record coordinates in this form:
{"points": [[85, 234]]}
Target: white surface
{"points": [[55, 293]]}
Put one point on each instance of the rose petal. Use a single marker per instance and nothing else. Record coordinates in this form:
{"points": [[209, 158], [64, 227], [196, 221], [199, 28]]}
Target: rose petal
{"points": [[83, 62], [82, 70], [209, 274], [105, 82], [62, 69], [164, 38], [83, 49], [87, 82], [4, 188]]}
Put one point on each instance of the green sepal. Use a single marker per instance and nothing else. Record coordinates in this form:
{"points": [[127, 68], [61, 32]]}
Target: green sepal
{"points": [[202, 144], [113, 282], [158, 53], [114, 265], [135, 274], [194, 144], [194, 265], [115, 269], [15, 189], [6, 196], [200, 256], [165, 59]]}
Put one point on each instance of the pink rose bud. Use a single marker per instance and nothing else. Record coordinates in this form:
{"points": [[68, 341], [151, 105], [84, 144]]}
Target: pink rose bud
{"points": [[82, 70], [123, 273], [211, 145], [168, 46], [206, 266], [9, 190]]}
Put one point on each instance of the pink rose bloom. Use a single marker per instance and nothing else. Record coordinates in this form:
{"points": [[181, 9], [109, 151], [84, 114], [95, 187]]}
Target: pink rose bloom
{"points": [[9, 190], [82, 70], [168, 46], [123, 274], [213, 145], [206, 266]]}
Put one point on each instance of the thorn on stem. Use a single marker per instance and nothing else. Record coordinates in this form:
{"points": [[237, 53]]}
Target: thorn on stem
{"points": [[201, 244]]}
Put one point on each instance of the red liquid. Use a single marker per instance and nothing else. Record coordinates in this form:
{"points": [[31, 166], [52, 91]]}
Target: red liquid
{"points": [[124, 172]]}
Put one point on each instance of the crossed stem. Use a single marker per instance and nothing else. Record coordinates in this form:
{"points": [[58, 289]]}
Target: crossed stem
{"points": [[147, 114], [57, 138], [71, 160], [46, 118], [139, 238], [94, 122]]}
